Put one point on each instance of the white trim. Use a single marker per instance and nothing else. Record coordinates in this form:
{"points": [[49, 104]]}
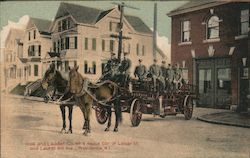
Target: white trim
{"points": [[211, 40], [195, 8], [185, 43], [241, 37]]}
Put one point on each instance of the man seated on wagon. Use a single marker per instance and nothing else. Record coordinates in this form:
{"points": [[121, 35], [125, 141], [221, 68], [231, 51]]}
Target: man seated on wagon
{"points": [[140, 71], [170, 78], [165, 74], [156, 74], [110, 68], [122, 76]]}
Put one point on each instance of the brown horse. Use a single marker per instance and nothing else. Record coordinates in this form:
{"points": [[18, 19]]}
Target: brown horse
{"points": [[53, 82], [86, 93]]}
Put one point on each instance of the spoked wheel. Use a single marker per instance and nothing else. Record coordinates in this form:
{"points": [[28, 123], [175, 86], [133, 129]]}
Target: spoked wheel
{"points": [[135, 113], [101, 114], [188, 108]]}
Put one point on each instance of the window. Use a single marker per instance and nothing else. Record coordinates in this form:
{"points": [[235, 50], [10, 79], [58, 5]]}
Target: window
{"points": [[85, 67], [58, 46], [67, 43], [89, 70], [59, 26], [71, 43], [29, 36], [114, 26], [143, 50], [35, 70], [86, 43], [137, 49], [213, 27], [64, 24], [129, 48], [93, 44], [94, 67], [29, 70], [34, 34], [103, 45], [111, 46], [224, 80], [39, 50], [110, 26], [185, 31], [244, 20], [54, 46], [62, 44], [75, 42]]}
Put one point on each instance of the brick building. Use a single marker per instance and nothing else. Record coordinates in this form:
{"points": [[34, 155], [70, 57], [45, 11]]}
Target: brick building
{"points": [[210, 40]]}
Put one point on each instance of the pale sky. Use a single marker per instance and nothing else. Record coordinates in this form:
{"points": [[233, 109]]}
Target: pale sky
{"points": [[13, 10]]}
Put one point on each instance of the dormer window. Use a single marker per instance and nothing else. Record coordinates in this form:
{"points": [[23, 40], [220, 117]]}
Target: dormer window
{"points": [[213, 27], [244, 21]]}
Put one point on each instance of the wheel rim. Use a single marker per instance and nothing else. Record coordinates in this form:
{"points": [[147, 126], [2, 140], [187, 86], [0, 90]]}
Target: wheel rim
{"points": [[136, 115], [101, 114], [188, 110]]}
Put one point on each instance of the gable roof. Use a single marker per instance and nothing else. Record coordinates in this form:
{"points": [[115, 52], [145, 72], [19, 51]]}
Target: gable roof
{"points": [[87, 15], [138, 24], [80, 13], [196, 5], [42, 25]]}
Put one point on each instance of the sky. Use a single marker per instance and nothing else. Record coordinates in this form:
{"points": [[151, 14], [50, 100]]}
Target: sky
{"points": [[13, 10]]}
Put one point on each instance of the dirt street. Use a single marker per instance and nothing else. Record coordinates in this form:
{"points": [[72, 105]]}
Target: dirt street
{"points": [[31, 129]]}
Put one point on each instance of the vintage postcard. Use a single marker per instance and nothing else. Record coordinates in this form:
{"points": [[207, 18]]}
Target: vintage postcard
{"points": [[125, 79]]}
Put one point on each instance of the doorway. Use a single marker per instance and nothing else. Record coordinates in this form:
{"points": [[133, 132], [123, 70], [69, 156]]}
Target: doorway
{"points": [[214, 82]]}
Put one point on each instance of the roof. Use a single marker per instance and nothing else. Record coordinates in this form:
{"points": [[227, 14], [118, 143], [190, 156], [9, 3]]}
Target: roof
{"points": [[87, 15], [138, 24], [80, 13], [42, 25], [196, 5], [16, 33]]}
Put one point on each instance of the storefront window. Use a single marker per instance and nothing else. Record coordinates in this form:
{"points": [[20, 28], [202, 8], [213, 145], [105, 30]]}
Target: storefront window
{"points": [[224, 80], [205, 81]]}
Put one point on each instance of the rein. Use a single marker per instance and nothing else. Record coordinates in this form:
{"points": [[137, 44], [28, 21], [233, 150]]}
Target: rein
{"points": [[84, 90]]}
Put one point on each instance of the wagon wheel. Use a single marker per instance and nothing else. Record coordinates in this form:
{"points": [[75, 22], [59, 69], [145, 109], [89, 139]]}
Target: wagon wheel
{"points": [[135, 113], [101, 114], [188, 108]]}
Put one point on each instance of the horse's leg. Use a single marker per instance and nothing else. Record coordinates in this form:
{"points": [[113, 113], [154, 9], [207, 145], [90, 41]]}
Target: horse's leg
{"points": [[109, 118], [62, 107], [118, 114], [88, 112], [70, 118], [83, 109]]}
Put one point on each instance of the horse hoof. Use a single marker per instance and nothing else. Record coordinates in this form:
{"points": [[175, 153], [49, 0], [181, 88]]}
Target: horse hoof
{"points": [[85, 133], [63, 131], [107, 129], [115, 129], [69, 131]]}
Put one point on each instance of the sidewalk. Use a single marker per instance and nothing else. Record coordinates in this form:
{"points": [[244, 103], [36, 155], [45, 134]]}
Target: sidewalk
{"points": [[227, 118]]}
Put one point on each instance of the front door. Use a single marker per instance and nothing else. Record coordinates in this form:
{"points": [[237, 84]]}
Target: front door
{"points": [[214, 82]]}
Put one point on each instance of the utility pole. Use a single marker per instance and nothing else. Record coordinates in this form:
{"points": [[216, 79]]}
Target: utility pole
{"points": [[120, 36], [121, 7]]}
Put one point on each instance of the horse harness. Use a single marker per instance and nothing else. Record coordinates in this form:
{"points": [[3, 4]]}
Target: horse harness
{"points": [[85, 90]]}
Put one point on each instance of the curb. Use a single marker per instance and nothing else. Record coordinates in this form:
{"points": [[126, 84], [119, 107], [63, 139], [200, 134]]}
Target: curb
{"points": [[221, 122]]}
